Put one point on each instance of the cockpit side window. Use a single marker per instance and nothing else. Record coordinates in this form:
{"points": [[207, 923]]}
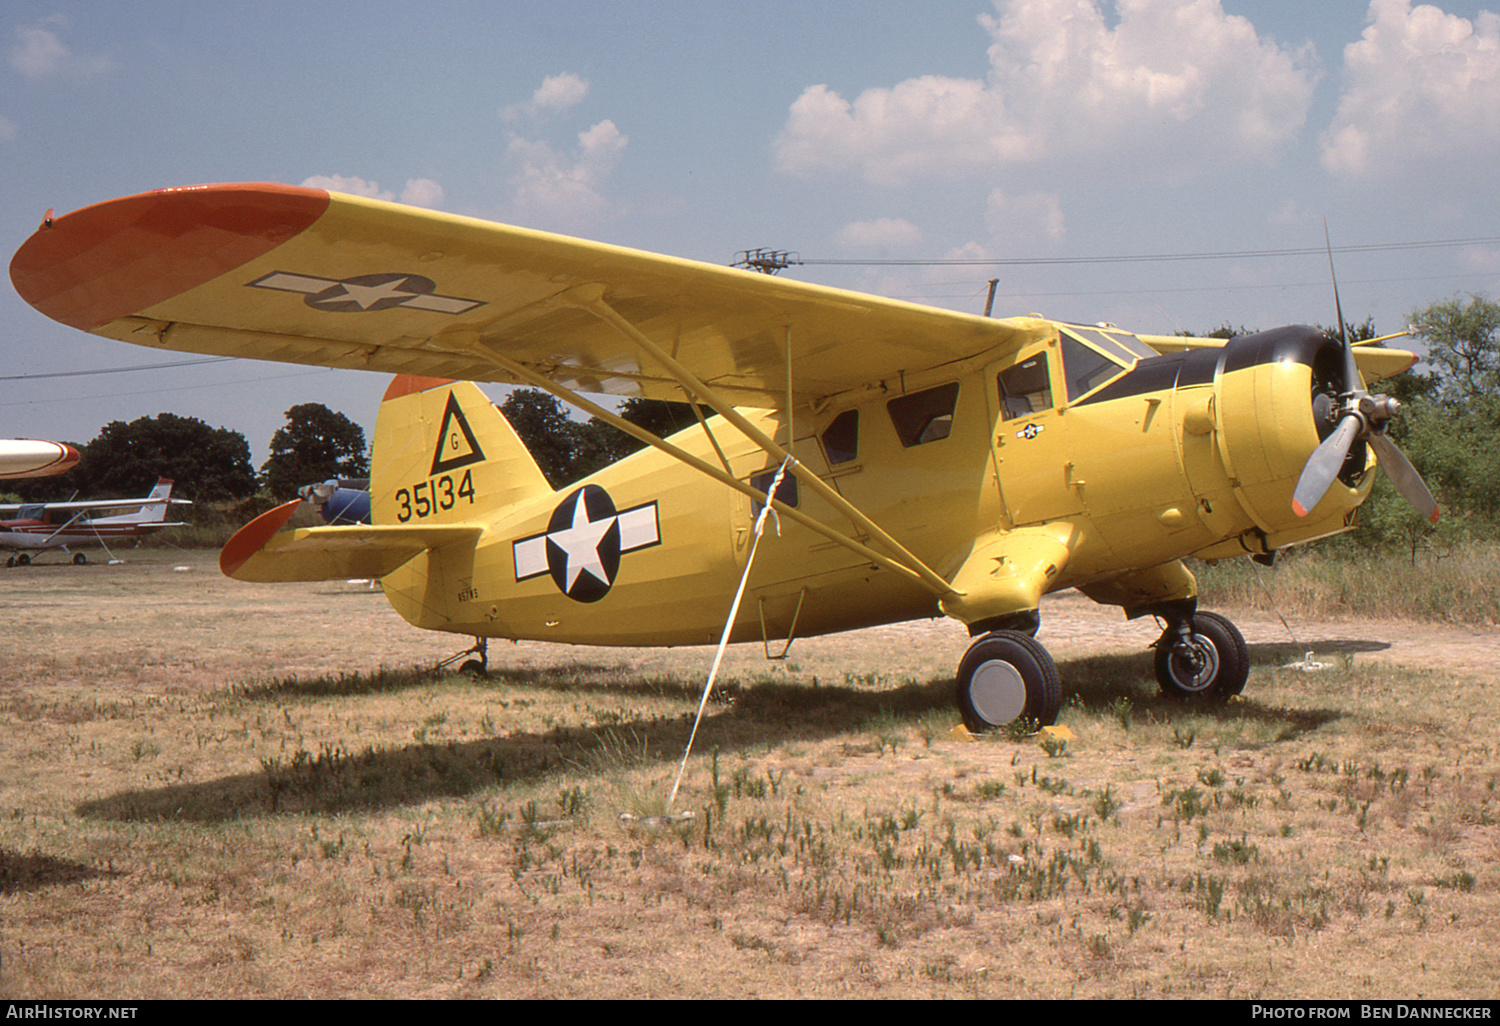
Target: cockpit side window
{"points": [[1085, 369], [925, 416], [841, 438], [1026, 388]]}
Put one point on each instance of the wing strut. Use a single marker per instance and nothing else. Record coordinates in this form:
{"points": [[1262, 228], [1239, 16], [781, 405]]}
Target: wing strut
{"points": [[591, 299], [915, 571]]}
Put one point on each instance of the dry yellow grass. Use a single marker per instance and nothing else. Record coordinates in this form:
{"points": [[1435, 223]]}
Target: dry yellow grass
{"points": [[212, 789]]}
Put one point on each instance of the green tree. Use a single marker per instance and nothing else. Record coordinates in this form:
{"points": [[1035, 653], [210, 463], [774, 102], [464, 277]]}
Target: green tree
{"points": [[125, 460], [567, 450], [1449, 427], [316, 444], [1463, 343], [564, 449]]}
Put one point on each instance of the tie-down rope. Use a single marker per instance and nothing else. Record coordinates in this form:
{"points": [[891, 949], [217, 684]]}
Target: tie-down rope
{"points": [[734, 609]]}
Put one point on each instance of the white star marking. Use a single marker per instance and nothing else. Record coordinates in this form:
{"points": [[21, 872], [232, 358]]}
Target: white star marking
{"points": [[580, 543], [368, 295]]}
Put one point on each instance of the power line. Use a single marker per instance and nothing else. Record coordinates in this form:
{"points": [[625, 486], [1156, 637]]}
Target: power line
{"points": [[115, 370], [1141, 258]]}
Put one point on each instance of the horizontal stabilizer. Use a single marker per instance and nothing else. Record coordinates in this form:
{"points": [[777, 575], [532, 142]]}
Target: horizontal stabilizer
{"points": [[261, 551]]}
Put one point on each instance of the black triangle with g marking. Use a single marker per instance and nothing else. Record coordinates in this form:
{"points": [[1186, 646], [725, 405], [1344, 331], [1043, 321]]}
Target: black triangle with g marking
{"points": [[456, 447]]}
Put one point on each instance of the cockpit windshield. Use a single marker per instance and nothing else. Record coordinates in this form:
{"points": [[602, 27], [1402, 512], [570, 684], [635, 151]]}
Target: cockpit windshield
{"points": [[1107, 355]]}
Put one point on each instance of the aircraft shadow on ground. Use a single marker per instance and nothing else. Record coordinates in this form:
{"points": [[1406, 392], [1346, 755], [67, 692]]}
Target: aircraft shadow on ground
{"points": [[32, 872], [1106, 683], [335, 780]]}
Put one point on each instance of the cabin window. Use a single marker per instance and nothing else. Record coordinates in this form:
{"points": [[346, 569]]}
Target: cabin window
{"points": [[1026, 388], [926, 416], [1084, 368], [841, 438], [786, 492]]}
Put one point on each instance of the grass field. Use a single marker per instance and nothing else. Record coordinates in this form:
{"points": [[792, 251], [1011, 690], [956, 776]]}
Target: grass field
{"points": [[220, 790]]}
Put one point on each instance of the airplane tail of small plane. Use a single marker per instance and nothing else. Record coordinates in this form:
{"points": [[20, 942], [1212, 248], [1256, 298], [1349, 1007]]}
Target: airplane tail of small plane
{"points": [[153, 509], [443, 459], [443, 453]]}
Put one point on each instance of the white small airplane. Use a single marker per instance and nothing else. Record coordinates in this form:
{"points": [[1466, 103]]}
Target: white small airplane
{"points": [[62, 525], [26, 457]]}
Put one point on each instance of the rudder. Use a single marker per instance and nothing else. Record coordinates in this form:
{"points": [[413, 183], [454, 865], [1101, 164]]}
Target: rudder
{"points": [[443, 453]]}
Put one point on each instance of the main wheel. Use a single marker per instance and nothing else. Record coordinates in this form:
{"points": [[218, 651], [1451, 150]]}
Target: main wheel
{"points": [[1006, 676], [1212, 667], [79, 559]]}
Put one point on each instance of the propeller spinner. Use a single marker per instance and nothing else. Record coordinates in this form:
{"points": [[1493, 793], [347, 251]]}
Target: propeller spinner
{"points": [[1358, 416]]}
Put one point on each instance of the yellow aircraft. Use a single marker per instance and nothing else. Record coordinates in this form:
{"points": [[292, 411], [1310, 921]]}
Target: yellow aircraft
{"points": [[935, 462]]}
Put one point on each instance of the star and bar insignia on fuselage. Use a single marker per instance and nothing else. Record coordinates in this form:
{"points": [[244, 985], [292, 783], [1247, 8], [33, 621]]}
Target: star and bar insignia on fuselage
{"points": [[583, 542], [366, 292]]}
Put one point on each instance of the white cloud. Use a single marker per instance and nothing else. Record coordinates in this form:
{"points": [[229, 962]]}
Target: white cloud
{"points": [[40, 53], [882, 233], [1177, 81], [422, 192], [351, 185], [1420, 86], [553, 188], [556, 94], [418, 192]]}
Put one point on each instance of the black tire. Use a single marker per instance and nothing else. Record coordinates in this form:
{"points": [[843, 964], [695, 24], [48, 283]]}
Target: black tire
{"points": [[79, 559], [474, 668], [1007, 676], [1215, 672]]}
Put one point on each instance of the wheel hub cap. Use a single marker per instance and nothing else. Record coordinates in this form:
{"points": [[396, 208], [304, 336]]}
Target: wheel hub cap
{"points": [[1195, 667], [998, 692]]}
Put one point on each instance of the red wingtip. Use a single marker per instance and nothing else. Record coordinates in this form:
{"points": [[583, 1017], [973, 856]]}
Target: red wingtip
{"points": [[125, 255], [251, 538], [1297, 508]]}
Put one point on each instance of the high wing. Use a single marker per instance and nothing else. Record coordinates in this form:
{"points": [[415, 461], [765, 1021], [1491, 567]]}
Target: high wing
{"points": [[285, 273], [1375, 362], [97, 504]]}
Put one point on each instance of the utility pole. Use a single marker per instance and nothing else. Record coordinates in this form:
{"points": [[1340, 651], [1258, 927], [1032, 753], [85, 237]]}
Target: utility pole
{"points": [[766, 261]]}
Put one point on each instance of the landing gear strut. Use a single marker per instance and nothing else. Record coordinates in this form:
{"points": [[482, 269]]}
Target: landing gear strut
{"points": [[476, 667]]}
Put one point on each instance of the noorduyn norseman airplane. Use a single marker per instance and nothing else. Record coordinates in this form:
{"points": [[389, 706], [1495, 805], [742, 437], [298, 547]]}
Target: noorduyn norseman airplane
{"points": [[935, 462]]}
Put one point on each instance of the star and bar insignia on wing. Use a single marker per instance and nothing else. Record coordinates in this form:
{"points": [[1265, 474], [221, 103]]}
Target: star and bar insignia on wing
{"points": [[366, 292], [583, 542]]}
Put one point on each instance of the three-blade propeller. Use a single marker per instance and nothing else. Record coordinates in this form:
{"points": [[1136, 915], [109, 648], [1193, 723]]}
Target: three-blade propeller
{"points": [[1360, 416]]}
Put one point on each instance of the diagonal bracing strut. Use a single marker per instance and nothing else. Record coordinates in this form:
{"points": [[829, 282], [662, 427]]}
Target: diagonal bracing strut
{"points": [[899, 559]]}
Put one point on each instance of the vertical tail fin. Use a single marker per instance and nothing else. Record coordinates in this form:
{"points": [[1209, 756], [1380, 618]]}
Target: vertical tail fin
{"points": [[443, 453], [154, 511]]}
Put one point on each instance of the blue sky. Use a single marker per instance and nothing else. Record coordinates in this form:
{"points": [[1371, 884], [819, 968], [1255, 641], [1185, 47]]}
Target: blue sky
{"points": [[842, 130]]}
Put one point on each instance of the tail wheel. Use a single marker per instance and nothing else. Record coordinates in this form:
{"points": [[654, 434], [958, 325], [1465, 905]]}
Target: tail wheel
{"points": [[1007, 676], [1210, 665]]}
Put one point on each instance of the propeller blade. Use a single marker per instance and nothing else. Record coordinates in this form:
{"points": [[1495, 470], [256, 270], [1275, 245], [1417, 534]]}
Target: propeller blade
{"points": [[1351, 369], [1404, 476], [1323, 466]]}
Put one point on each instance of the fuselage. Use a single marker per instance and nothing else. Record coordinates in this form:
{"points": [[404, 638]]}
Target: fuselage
{"points": [[47, 532], [1138, 459]]}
